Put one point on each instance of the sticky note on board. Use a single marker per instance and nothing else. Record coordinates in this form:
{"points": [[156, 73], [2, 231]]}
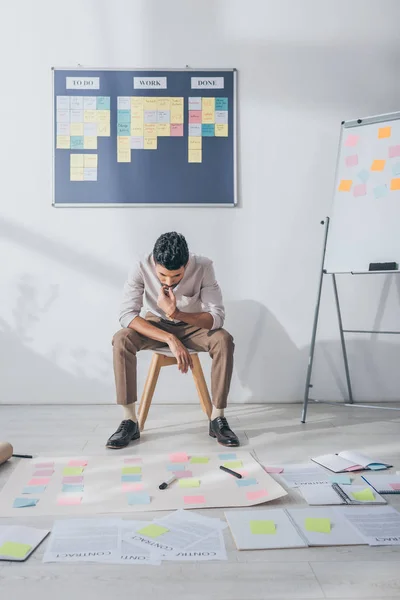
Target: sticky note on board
{"points": [[194, 103], [124, 156], [89, 116], [258, 495], [178, 457], [366, 495], [90, 142], [360, 190], [103, 129], [153, 531], [90, 161], [352, 140], [123, 116], [195, 156], [76, 102], [123, 142], [69, 500], [384, 132], [233, 464], [176, 130], [149, 103], [90, 174], [63, 142], [163, 103], [351, 161], [150, 116], [103, 116], [194, 117], [221, 130], [189, 482], [25, 502], [150, 143], [380, 191], [345, 185], [73, 470], [194, 142], [138, 498], [76, 174], [395, 184], [103, 103], [131, 470], [378, 165], [77, 160], [318, 525], [163, 129], [200, 460], [262, 527], [77, 142], [194, 500], [137, 142], [14, 549], [246, 482], [76, 129], [207, 130], [137, 102], [221, 104]]}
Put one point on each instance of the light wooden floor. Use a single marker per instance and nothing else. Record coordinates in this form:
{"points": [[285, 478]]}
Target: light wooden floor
{"points": [[277, 436]]}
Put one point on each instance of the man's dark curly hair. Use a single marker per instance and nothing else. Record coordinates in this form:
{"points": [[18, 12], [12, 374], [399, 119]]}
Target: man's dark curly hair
{"points": [[171, 251]]}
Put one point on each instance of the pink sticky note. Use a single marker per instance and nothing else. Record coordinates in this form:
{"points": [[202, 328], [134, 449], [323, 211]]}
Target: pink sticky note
{"points": [[360, 190], [176, 129], [43, 473], [77, 463], [194, 116], [273, 469], [42, 481], [352, 140], [183, 474], [194, 500], [351, 161], [243, 473], [395, 486], [72, 479], [355, 468], [129, 461], [257, 495], [394, 151], [67, 500], [44, 465], [132, 487], [178, 457]]}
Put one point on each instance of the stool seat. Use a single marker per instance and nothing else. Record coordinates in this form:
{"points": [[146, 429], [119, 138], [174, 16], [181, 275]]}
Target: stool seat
{"points": [[163, 357]]}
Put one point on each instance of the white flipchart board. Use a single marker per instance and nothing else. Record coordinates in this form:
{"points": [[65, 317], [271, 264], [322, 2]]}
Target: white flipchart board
{"points": [[365, 218]]}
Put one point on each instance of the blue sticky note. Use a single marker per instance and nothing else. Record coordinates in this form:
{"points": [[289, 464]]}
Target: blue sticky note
{"points": [[124, 128], [246, 482], [103, 103], [341, 479], [380, 191], [138, 498], [34, 489], [131, 478], [76, 142], [231, 456], [221, 103], [377, 467], [363, 175], [124, 116], [207, 130], [176, 467], [396, 169], [25, 502], [72, 487]]}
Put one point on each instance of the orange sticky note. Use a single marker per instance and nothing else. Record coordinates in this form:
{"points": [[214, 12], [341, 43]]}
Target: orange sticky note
{"points": [[345, 185], [395, 184], [384, 132], [378, 165]]}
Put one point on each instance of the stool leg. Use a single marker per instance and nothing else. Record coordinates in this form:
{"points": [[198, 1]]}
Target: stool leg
{"points": [[201, 386], [149, 387]]}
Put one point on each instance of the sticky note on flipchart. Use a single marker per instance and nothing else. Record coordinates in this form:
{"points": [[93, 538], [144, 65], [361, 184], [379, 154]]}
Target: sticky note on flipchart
{"points": [[131, 470], [345, 185], [233, 464], [69, 500], [366, 495], [351, 161], [363, 175], [360, 190], [73, 470], [39, 481], [384, 132], [318, 525], [25, 502], [246, 482], [394, 151], [138, 498], [199, 460], [34, 489], [14, 549], [194, 500], [258, 495], [395, 184], [178, 457], [153, 531], [352, 140], [80, 462], [378, 165], [341, 479], [396, 169], [262, 527], [380, 191], [189, 482]]}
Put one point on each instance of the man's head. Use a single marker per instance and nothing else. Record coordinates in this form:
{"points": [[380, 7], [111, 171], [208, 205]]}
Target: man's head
{"points": [[171, 256]]}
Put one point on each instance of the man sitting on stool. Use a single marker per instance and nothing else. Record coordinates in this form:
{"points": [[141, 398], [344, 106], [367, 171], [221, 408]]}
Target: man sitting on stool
{"points": [[186, 312]]}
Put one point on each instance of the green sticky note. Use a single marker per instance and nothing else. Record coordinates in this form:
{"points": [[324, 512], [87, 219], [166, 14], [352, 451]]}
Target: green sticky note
{"points": [[318, 525], [233, 464], [262, 527], [131, 470], [73, 470], [199, 460], [153, 531], [14, 549], [366, 495], [189, 482]]}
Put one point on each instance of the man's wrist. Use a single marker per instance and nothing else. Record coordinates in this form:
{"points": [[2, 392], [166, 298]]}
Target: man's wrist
{"points": [[174, 315]]}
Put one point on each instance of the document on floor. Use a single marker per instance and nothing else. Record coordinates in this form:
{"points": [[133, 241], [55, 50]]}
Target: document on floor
{"points": [[378, 526], [324, 527], [303, 474], [18, 542]]}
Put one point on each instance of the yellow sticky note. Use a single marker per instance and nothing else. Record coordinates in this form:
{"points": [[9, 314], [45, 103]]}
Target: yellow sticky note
{"points": [[103, 129], [124, 142], [102, 116], [194, 142], [76, 128], [124, 156], [136, 102], [163, 129], [233, 464], [163, 103], [90, 161], [221, 129], [137, 113], [195, 156], [177, 101], [63, 142], [150, 143], [73, 470], [378, 165], [262, 527], [345, 185], [149, 103], [153, 531], [318, 525], [395, 184], [75, 174], [90, 142], [199, 460], [208, 104], [90, 116], [76, 160], [131, 470], [137, 127], [384, 132], [366, 495], [150, 130], [189, 482], [176, 114], [14, 549], [207, 116]]}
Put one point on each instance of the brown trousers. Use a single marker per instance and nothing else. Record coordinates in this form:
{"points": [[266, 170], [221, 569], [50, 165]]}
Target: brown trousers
{"points": [[218, 343]]}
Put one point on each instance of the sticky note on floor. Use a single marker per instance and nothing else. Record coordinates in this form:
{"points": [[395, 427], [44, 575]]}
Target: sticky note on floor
{"points": [[194, 500], [366, 495], [318, 525], [132, 487], [127, 478], [246, 482], [341, 479], [25, 502], [378, 165], [258, 495], [176, 467], [189, 482], [138, 498], [345, 185], [131, 470], [72, 479], [39, 481], [273, 469], [262, 527], [69, 500], [153, 531], [44, 465], [384, 132], [71, 488], [34, 489], [199, 460], [230, 456], [14, 549], [43, 473], [73, 470], [178, 457], [132, 460], [395, 486], [78, 462], [182, 474], [233, 464]]}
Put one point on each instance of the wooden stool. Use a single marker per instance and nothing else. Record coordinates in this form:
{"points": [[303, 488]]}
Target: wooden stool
{"points": [[165, 358]]}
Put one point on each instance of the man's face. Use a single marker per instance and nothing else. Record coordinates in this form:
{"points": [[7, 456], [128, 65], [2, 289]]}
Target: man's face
{"points": [[169, 279]]}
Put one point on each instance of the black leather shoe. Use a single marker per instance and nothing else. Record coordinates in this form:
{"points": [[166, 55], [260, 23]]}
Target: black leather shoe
{"points": [[126, 432], [220, 429]]}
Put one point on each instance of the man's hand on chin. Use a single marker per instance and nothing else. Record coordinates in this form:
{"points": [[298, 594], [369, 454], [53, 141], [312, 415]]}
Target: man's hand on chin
{"points": [[167, 301]]}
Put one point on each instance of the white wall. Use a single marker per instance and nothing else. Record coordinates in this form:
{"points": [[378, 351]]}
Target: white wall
{"points": [[303, 67]]}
